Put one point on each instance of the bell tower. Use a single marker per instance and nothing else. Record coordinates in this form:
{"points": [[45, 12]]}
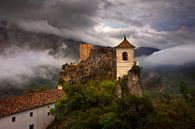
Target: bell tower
{"points": [[124, 57]]}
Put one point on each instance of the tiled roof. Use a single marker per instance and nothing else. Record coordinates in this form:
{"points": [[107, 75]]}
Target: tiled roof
{"points": [[17, 104], [125, 44]]}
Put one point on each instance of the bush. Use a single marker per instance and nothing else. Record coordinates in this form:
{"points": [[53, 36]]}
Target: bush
{"points": [[94, 106]]}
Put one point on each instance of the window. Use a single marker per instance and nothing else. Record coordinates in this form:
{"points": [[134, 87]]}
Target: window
{"points": [[31, 126], [13, 119], [48, 113], [125, 56], [47, 106], [31, 114]]}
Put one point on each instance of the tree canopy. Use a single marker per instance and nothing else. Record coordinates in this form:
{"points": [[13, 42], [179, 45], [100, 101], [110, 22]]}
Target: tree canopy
{"points": [[94, 106]]}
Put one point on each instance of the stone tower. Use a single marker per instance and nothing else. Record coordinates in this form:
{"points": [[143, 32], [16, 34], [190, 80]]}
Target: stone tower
{"points": [[85, 50], [124, 57]]}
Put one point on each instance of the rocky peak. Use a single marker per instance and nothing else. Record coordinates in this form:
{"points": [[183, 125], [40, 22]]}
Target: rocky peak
{"points": [[99, 65], [130, 83]]}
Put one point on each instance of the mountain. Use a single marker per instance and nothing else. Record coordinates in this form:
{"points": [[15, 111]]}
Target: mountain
{"points": [[17, 45], [171, 76], [11, 35], [145, 51]]}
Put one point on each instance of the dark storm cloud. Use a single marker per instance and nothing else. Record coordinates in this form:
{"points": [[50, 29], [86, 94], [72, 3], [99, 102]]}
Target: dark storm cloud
{"points": [[79, 19], [12, 9], [13, 5], [74, 14], [65, 14]]}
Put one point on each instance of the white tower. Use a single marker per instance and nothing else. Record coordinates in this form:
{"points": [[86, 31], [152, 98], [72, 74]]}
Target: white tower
{"points": [[124, 57]]}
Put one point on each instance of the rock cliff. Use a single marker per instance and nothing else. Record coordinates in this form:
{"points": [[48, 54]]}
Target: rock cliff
{"points": [[130, 83], [99, 65]]}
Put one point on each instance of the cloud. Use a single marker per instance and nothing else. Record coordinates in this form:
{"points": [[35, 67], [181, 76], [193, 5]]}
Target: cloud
{"points": [[102, 37], [148, 36], [64, 14], [40, 26], [175, 56], [20, 65], [79, 19], [154, 23]]}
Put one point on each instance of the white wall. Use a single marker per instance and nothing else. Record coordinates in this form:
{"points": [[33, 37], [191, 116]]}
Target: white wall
{"points": [[40, 119], [124, 66]]}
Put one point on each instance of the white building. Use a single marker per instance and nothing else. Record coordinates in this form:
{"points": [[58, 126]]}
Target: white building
{"points": [[124, 57], [29, 111]]}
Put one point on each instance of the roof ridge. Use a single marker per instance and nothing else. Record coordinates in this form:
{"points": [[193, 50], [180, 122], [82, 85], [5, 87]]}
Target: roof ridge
{"points": [[125, 44]]}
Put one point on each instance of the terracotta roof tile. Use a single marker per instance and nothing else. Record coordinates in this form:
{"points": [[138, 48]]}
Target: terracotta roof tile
{"points": [[17, 104], [125, 44]]}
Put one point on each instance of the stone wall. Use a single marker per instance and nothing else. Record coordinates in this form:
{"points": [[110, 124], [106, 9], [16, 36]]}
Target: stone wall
{"points": [[100, 64], [85, 51]]}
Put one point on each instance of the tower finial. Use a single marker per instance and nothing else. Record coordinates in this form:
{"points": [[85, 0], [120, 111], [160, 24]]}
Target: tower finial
{"points": [[125, 37]]}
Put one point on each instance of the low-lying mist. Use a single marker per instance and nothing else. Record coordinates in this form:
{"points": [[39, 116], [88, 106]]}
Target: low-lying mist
{"points": [[20, 66]]}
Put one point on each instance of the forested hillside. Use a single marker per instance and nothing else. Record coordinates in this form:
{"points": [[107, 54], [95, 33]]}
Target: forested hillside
{"points": [[94, 106]]}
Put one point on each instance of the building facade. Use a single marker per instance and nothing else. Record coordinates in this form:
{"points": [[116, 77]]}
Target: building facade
{"points": [[37, 118], [124, 57], [31, 111]]}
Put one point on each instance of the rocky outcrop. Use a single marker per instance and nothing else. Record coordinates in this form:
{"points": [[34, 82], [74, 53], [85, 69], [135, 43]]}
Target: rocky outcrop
{"points": [[130, 83], [99, 65]]}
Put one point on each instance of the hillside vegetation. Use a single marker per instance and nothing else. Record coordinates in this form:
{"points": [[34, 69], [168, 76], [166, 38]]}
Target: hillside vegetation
{"points": [[94, 106]]}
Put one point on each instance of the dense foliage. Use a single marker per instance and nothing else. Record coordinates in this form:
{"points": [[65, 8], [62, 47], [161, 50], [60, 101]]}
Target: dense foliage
{"points": [[95, 106]]}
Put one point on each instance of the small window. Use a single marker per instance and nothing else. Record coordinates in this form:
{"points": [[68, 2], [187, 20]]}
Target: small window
{"points": [[31, 114], [13, 119], [47, 106], [31, 126], [48, 113], [125, 56]]}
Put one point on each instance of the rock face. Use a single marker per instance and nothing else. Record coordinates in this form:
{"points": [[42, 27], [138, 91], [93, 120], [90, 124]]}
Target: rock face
{"points": [[85, 50], [134, 83], [130, 83], [99, 65]]}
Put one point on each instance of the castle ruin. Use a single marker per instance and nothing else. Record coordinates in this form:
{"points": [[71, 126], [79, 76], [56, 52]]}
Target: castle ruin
{"points": [[96, 62], [124, 56], [85, 51]]}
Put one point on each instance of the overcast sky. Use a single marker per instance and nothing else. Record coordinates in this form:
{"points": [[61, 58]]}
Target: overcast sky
{"points": [[165, 24], [154, 23]]}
